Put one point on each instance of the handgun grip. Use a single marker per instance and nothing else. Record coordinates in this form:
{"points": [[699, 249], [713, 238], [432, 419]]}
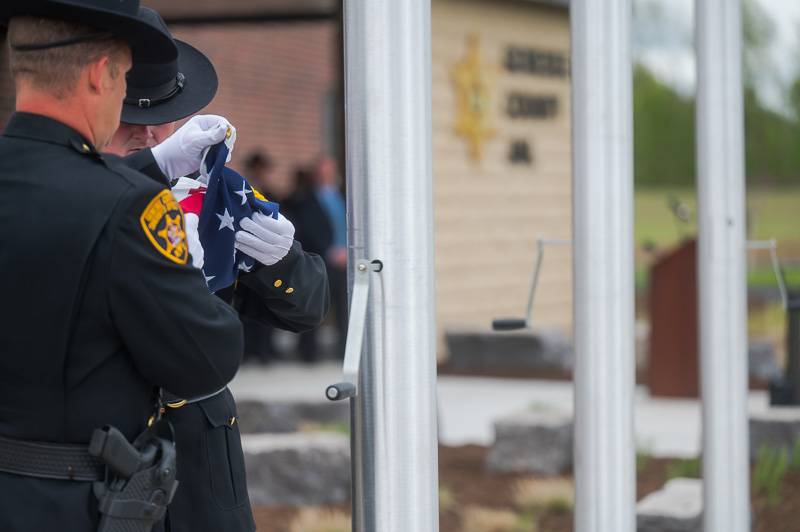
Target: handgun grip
{"points": [[111, 446]]}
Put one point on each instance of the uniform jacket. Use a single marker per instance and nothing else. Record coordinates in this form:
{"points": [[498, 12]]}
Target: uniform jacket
{"points": [[292, 295], [102, 306]]}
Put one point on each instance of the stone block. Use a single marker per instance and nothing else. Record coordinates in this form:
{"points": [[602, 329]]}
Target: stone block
{"points": [[763, 364], [677, 507], [532, 442], [777, 427], [258, 416], [307, 468], [541, 350]]}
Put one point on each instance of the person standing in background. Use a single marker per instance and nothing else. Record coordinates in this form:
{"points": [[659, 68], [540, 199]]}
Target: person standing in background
{"points": [[318, 210], [259, 169], [258, 337]]}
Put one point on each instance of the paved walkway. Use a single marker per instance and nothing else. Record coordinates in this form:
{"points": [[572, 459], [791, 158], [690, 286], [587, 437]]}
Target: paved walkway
{"points": [[469, 405]]}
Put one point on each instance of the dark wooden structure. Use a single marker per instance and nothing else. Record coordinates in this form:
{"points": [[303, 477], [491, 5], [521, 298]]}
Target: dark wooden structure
{"points": [[673, 368]]}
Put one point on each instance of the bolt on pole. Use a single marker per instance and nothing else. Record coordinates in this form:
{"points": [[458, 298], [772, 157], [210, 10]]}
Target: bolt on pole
{"points": [[390, 218], [602, 118], [722, 265]]}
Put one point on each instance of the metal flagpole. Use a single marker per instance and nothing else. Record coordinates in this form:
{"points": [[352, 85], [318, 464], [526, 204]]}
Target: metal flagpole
{"points": [[605, 481], [390, 219], [722, 270]]}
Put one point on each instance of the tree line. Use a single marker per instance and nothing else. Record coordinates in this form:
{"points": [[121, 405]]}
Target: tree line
{"points": [[664, 136], [664, 120]]}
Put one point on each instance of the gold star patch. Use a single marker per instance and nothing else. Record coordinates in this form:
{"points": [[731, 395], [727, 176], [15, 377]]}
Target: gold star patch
{"points": [[162, 221], [473, 97]]}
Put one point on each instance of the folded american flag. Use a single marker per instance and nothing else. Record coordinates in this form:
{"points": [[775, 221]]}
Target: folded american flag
{"points": [[213, 206]]}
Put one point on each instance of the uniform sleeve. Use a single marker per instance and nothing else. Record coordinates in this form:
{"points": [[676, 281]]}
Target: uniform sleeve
{"points": [[292, 294], [144, 162], [181, 337]]}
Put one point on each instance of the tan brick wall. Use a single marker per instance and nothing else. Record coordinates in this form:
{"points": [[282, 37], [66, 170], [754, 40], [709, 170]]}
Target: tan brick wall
{"points": [[273, 82], [226, 8], [489, 214]]}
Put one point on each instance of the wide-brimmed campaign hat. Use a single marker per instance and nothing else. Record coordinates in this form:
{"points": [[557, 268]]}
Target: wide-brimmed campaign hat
{"points": [[117, 18], [168, 91]]}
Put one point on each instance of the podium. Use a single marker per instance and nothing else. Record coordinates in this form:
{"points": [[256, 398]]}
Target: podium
{"points": [[673, 367]]}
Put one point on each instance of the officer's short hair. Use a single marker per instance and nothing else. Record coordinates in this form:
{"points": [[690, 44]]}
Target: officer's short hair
{"points": [[56, 70]]}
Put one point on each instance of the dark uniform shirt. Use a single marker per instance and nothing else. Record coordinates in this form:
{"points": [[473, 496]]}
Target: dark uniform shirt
{"points": [[292, 295], [101, 305]]}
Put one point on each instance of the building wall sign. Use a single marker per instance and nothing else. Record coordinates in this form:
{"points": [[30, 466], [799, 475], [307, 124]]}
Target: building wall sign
{"points": [[474, 113], [473, 117], [536, 62], [531, 106], [520, 152]]}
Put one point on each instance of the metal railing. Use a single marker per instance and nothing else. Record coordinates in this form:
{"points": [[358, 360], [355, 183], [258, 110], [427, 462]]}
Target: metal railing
{"points": [[526, 322]]}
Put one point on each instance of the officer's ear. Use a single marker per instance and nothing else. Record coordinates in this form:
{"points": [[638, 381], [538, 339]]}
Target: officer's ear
{"points": [[101, 75]]}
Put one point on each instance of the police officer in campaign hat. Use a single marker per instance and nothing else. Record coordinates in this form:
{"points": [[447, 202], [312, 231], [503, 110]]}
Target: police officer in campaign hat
{"points": [[288, 289], [102, 306]]}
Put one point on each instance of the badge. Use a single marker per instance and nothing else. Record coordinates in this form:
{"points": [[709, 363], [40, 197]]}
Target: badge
{"points": [[162, 221]]}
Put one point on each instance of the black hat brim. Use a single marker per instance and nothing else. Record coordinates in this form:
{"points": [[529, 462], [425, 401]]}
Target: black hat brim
{"points": [[148, 43], [200, 87]]}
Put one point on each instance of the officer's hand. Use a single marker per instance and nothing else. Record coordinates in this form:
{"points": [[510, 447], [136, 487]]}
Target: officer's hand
{"points": [[264, 238], [182, 153]]}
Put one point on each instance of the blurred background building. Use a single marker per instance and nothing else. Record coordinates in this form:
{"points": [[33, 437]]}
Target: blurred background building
{"points": [[501, 130], [501, 136]]}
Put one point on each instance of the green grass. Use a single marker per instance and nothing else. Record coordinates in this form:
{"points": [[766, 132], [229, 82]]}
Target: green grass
{"points": [[769, 473], [684, 468], [643, 459], [772, 213]]}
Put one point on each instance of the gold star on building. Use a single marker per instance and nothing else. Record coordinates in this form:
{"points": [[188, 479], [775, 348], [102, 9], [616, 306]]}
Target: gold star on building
{"points": [[473, 100]]}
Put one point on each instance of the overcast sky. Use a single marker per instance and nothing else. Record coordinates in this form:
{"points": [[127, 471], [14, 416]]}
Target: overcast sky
{"points": [[663, 41]]}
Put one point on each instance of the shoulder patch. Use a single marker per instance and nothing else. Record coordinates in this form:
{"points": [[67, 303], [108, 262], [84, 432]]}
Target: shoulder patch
{"points": [[162, 221]]}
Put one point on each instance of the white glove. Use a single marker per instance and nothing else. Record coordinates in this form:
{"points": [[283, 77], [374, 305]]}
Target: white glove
{"points": [[264, 238], [182, 153]]}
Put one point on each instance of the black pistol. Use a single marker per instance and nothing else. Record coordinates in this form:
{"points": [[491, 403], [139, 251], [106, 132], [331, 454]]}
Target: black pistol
{"points": [[140, 480]]}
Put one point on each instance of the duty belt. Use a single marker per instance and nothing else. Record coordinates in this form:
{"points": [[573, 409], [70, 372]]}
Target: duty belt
{"points": [[60, 461]]}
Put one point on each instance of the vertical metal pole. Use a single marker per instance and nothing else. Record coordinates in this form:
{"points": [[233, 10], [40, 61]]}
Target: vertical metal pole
{"points": [[603, 265], [390, 216], [722, 270]]}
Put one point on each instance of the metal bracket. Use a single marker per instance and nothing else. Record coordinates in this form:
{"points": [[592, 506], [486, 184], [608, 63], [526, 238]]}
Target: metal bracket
{"points": [[512, 324], [355, 332], [772, 247]]}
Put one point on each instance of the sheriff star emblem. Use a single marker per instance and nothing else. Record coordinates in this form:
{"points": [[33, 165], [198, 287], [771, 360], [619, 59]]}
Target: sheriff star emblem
{"points": [[473, 97], [162, 221]]}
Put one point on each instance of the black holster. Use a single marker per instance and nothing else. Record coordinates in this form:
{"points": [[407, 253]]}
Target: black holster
{"points": [[140, 479]]}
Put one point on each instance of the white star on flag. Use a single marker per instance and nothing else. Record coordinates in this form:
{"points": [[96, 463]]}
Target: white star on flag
{"points": [[225, 220], [244, 267], [244, 192], [208, 277]]}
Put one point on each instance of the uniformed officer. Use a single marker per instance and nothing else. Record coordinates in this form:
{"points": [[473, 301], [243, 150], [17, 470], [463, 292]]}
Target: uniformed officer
{"points": [[101, 305], [288, 289]]}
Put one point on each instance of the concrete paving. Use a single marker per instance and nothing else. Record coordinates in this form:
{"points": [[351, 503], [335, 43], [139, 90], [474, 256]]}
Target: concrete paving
{"points": [[468, 406]]}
